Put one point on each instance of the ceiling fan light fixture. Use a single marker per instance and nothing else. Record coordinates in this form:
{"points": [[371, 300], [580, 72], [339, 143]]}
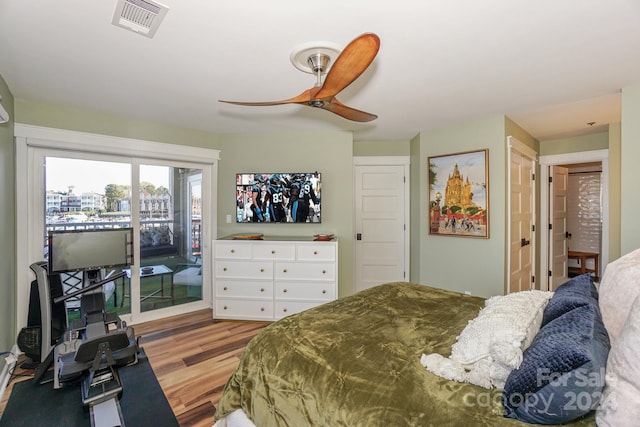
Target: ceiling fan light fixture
{"points": [[314, 54], [319, 62]]}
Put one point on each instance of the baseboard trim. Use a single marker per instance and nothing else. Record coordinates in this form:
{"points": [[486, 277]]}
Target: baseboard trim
{"points": [[8, 370]]}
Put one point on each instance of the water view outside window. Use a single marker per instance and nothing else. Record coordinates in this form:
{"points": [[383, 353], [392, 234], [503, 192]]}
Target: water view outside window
{"points": [[90, 194]]}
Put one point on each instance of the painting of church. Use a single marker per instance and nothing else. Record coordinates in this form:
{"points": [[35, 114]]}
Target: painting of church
{"points": [[458, 194]]}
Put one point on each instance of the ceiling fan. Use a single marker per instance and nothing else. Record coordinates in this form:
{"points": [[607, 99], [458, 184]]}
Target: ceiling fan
{"points": [[354, 59]]}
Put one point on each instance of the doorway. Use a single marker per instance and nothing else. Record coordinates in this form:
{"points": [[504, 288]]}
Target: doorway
{"points": [[381, 206], [567, 235]]}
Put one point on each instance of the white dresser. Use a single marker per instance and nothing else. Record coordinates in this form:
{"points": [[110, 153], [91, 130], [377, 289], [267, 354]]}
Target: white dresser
{"points": [[272, 278]]}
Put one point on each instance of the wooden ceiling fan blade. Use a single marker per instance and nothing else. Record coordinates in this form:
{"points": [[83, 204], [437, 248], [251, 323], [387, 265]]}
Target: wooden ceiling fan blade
{"points": [[303, 98], [352, 61], [347, 112]]}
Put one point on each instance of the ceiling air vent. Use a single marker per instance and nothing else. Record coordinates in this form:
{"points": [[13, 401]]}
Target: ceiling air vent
{"points": [[142, 16]]}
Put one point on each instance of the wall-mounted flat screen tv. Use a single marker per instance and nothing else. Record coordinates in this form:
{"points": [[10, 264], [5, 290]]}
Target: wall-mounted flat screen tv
{"points": [[278, 197]]}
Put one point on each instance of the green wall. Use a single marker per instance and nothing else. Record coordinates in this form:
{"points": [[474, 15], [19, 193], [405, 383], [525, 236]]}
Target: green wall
{"points": [[381, 148], [596, 141], [513, 129], [7, 226], [630, 170], [458, 263], [329, 153], [54, 116]]}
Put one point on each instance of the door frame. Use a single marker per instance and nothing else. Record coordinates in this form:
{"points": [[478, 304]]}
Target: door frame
{"points": [[567, 159], [29, 138], [513, 144], [386, 161]]}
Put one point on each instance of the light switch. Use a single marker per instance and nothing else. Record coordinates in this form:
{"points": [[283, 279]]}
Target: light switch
{"points": [[228, 219]]}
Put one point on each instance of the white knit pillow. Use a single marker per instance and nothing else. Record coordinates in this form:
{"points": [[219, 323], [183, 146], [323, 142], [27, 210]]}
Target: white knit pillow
{"points": [[491, 345], [620, 404], [618, 289]]}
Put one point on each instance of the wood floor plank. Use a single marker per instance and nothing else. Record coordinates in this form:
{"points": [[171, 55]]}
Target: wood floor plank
{"points": [[192, 356]]}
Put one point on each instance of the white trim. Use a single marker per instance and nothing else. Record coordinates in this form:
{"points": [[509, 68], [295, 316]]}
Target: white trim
{"points": [[31, 139], [579, 157], [88, 142], [388, 161], [7, 370], [567, 159]]}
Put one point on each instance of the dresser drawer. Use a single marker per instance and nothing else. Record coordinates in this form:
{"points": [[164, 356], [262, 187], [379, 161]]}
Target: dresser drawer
{"points": [[305, 270], [319, 291], [243, 309], [233, 250], [274, 251], [272, 278], [287, 308], [244, 289], [231, 269], [316, 252]]}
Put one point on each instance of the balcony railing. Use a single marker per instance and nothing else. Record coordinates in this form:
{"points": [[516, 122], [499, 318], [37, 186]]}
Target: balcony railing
{"points": [[153, 224]]}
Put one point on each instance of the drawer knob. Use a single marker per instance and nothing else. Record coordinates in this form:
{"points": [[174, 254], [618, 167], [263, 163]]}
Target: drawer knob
{"points": [[225, 288], [284, 290], [224, 269], [224, 308], [261, 289], [262, 270], [233, 251], [324, 271], [284, 309], [284, 271], [273, 251], [324, 291], [261, 308], [315, 252]]}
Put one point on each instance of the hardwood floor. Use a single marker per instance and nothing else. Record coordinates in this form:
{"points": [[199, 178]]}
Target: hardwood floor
{"points": [[192, 356]]}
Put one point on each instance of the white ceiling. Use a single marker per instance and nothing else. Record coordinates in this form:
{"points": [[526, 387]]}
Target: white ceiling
{"points": [[550, 65]]}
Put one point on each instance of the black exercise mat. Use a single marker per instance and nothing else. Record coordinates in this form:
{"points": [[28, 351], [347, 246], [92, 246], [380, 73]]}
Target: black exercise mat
{"points": [[143, 403]]}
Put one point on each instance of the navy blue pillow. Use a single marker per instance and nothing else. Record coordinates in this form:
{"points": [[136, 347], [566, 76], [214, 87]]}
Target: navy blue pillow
{"points": [[561, 377], [573, 293]]}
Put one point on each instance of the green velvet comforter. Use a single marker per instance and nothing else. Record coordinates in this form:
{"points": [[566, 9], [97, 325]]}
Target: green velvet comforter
{"points": [[356, 362]]}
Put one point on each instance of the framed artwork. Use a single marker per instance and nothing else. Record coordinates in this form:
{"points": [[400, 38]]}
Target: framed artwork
{"points": [[459, 194]]}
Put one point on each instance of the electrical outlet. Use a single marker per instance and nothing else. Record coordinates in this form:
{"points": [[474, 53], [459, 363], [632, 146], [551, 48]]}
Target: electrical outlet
{"points": [[228, 219]]}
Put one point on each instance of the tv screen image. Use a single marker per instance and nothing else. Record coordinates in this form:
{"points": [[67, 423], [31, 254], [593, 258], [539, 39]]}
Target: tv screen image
{"points": [[278, 197]]}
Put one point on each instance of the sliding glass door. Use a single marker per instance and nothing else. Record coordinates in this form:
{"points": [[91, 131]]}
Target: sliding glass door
{"points": [[161, 200], [170, 270]]}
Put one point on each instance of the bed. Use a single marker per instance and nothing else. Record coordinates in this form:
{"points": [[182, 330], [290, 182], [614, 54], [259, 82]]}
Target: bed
{"points": [[358, 361]]}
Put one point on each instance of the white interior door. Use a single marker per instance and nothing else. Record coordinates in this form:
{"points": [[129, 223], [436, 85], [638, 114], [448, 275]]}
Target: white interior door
{"points": [[558, 247], [546, 197], [381, 216], [522, 218], [522, 236]]}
